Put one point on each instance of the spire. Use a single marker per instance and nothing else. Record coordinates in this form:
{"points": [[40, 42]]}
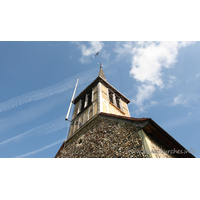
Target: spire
{"points": [[101, 74]]}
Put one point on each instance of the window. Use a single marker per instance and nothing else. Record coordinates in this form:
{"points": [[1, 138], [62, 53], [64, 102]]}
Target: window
{"points": [[82, 103], [118, 102], [89, 97], [114, 99], [111, 96]]}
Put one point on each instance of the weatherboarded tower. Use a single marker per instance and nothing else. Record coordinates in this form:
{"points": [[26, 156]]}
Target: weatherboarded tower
{"points": [[101, 127]]}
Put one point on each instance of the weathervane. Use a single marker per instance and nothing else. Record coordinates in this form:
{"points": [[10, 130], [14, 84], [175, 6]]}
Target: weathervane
{"points": [[100, 64]]}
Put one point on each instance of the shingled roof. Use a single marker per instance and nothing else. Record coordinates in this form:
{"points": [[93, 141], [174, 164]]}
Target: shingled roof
{"points": [[101, 74]]}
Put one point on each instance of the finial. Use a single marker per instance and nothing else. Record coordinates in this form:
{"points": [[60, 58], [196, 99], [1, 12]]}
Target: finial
{"points": [[100, 64]]}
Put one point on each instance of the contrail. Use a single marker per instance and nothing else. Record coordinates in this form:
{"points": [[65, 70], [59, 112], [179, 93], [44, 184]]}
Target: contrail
{"points": [[47, 128], [48, 91], [32, 112], [36, 151]]}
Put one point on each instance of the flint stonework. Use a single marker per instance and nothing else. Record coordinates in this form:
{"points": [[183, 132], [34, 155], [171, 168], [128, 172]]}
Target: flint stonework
{"points": [[104, 138]]}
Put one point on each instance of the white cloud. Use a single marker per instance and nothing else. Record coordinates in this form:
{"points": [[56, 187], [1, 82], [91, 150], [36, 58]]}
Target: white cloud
{"points": [[125, 49], [185, 100], [185, 43], [105, 55], [172, 78], [148, 61], [84, 60], [95, 46], [150, 58], [144, 92], [171, 81], [198, 75], [177, 100]]}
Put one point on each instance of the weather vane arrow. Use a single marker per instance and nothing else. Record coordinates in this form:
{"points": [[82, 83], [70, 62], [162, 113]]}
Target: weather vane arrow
{"points": [[100, 64]]}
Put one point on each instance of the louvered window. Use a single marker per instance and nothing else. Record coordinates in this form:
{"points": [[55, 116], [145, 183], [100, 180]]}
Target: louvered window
{"points": [[118, 102], [111, 96]]}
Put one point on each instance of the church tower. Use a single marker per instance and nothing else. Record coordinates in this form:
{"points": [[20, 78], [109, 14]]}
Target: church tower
{"points": [[101, 127], [99, 96]]}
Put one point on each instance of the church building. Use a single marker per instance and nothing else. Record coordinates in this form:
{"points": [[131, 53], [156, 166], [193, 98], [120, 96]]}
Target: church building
{"points": [[101, 127]]}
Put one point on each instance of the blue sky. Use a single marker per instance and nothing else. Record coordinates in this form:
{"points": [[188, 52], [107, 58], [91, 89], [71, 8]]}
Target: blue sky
{"points": [[37, 80]]}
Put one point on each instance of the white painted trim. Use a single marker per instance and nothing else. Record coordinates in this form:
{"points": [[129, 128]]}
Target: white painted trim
{"points": [[93, 109], [107, 95], [92, 95], [88, 113], [95, 103], [128, 110], [114, 99], [78, 123], [98, 98], [86, 100], [121, 106], [79, 107], [146, 143], [101, 106]]}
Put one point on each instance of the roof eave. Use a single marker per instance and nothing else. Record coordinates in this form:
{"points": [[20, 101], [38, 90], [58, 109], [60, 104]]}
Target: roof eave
{"points": [[98, 79], [169, 140]]}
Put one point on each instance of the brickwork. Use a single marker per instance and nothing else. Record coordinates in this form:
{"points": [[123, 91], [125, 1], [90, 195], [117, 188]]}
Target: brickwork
{"points": [[104, 138]]}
